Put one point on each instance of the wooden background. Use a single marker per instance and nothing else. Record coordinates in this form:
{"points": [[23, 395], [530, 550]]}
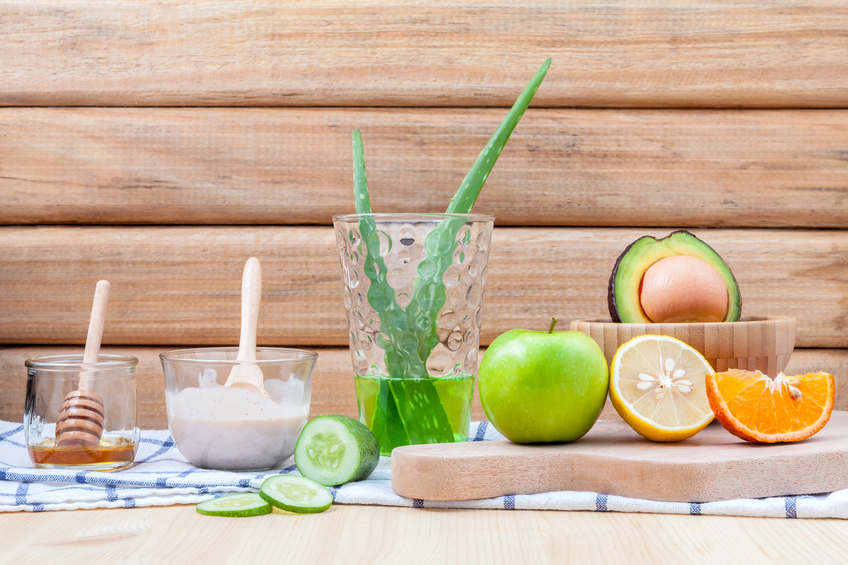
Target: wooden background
{"points": [[160, 146]]}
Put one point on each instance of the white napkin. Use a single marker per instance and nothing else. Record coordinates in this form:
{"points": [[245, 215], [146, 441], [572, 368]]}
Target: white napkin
{"points": [[161, 476]]}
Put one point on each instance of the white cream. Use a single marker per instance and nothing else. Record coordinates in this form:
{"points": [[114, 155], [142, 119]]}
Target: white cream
{"points": [[232, 428]]}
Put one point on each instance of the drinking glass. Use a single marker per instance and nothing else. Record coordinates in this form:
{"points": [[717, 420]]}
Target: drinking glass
{"points": [[413, 295]]}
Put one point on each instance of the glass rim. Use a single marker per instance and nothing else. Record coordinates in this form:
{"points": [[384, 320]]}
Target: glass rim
{"points": [[410, 216], [74, 361], [300, 355]]}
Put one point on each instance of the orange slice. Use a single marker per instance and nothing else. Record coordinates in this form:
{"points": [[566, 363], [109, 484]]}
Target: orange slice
{"points": [[755, 407]]}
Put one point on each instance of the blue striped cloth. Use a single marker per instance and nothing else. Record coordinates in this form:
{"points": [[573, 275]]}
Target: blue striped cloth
{"points": [[161, 476]]}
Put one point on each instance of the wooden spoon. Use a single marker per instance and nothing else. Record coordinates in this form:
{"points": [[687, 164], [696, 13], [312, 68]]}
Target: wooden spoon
{"points": [[248, 375], [81, 416]]}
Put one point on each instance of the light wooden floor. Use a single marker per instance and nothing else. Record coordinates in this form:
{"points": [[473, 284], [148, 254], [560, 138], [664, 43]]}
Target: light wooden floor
{"points": [[369, 534]]}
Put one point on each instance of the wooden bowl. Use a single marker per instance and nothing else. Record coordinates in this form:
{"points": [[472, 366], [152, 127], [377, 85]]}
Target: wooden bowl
{"points": [[761, 343]]}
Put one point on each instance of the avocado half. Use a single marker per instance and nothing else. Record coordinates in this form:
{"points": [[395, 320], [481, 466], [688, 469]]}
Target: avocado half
{"points": [[625, 282]]}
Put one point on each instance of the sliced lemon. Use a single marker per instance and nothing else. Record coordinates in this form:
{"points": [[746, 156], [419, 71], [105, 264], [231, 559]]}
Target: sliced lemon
{"points": [[657, 385]]}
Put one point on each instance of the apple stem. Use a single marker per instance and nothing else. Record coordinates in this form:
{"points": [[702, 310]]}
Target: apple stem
{"points": [[553, 324]]}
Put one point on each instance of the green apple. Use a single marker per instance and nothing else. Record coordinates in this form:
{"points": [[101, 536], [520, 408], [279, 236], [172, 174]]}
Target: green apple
{"points": [[543, 386]]}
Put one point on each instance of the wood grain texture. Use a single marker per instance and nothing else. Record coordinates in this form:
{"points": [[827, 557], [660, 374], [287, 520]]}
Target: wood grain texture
{"points": [[769, 168], [332, 381], [613, 459], [761, 344], [180, 285], [385, 536], [691, 53]]}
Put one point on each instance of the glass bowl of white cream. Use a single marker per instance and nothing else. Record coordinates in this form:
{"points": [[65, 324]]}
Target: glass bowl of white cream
{"points": [[237, 428]]}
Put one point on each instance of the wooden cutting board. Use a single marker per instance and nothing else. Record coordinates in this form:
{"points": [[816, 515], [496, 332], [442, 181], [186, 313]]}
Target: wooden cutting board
{"points": [[613, 459]]}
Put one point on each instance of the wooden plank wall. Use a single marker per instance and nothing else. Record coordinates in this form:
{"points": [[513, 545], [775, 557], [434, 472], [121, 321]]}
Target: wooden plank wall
{"points": [[160, 145]]}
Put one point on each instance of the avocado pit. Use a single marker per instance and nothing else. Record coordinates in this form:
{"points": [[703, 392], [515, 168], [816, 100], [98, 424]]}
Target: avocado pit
{"points": [[683, 289]]}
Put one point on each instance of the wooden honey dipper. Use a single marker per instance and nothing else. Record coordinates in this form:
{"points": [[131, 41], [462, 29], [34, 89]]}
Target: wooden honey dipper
{"points": [[81, 416]]}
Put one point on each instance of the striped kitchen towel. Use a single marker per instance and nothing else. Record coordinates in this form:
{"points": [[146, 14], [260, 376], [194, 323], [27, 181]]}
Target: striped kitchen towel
{"points": [[161, 476]]}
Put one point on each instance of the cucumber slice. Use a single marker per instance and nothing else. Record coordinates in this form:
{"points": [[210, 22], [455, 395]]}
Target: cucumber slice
{"points": [[295, 494], [235, 506], [333, 450]]}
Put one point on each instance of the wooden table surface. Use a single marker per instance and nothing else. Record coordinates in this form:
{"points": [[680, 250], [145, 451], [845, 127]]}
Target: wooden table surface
{"points": [[372, 534]]}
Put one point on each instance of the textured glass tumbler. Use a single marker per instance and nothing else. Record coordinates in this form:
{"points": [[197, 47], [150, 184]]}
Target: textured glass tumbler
{"points": [[413, 295], [50, 379]]}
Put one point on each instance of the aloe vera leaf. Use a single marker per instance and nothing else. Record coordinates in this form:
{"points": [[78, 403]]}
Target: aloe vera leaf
{"points": [[394, 322], [423, 416], [360, 184], [466, 195], [429, 294], [422, 411], [386, 424]]}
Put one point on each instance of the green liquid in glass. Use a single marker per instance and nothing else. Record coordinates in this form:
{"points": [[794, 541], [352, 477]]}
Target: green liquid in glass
{"points": [[391, 409]]}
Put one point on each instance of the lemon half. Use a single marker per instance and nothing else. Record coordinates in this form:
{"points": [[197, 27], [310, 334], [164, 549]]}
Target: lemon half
{"points": [[657, 385]]}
